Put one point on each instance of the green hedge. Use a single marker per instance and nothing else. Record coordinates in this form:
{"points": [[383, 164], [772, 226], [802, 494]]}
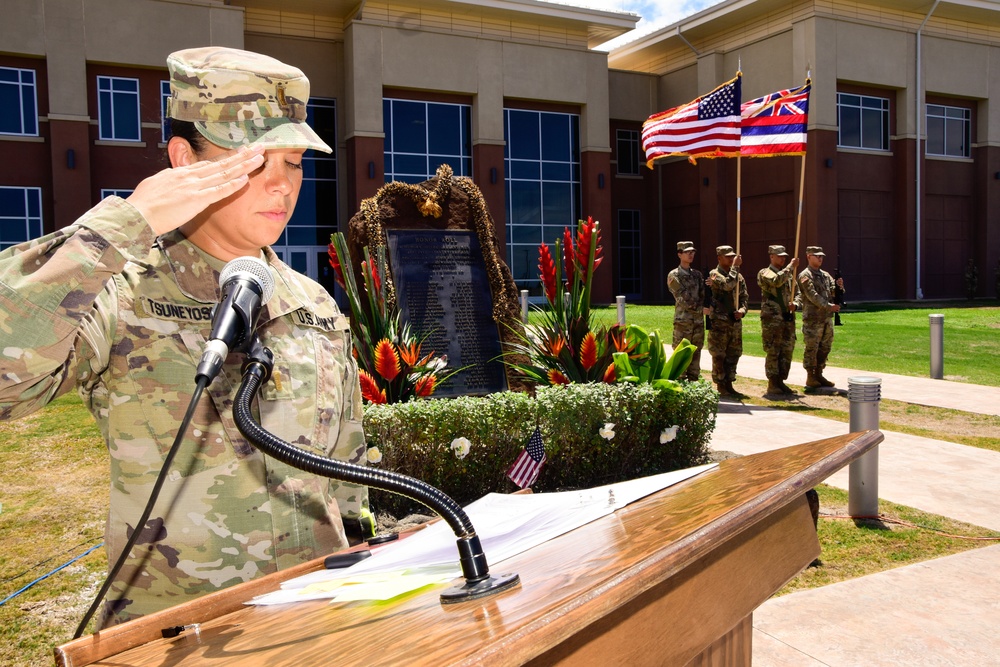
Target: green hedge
{"points": [[415, 438]]}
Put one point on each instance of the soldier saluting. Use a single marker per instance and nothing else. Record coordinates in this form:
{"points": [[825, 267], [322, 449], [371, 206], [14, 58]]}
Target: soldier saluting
{"points": [[777, 318], [688, 288], [816, 299], [729, 306]]}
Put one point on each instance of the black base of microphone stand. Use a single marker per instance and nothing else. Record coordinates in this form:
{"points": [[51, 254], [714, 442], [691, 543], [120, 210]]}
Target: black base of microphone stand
{"points": [[478, 581], [480, 589]]}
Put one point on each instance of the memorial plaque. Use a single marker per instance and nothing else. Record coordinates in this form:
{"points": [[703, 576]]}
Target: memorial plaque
{"points": [[443, 291]]}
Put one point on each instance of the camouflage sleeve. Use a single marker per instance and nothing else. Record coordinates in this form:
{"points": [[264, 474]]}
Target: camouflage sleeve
{"points": [[724, 282], [768, 279], [744, 295], [58, 305], [807, 291]]}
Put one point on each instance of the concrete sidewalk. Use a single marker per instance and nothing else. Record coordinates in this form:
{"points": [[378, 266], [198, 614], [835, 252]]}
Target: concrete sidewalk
{"points": [[920, 391], [940, 612]]}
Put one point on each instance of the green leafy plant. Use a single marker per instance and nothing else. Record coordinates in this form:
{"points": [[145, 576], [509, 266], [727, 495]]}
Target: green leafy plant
{"points": [[649, 364], [388, 352]]}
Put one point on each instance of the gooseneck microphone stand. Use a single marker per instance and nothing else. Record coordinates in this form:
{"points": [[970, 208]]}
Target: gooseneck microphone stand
{"points": [[478, 581]]}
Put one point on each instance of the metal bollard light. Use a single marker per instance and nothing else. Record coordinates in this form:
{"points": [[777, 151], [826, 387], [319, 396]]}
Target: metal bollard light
{"points": [[937, 346], [864, 394], [620, 300], [524, 306]]}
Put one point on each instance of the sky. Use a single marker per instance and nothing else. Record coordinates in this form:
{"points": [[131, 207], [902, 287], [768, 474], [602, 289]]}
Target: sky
{"points": [[655, 13]]}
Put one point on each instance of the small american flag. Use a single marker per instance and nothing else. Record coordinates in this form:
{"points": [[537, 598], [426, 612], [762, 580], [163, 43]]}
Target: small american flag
{"points": [[776, 124], [707, 127], [524, 471]]}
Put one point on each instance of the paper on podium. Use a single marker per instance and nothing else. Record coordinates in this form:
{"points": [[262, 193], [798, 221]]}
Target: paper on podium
{"points": [[506, 525]]}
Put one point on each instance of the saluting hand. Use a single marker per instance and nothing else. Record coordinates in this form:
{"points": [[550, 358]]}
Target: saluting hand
{"points": [[171, 197]]}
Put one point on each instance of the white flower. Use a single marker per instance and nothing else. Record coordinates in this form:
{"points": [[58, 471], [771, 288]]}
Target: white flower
{"points": [[461, 447], [607, 432], [374, 455], [668, 434]]}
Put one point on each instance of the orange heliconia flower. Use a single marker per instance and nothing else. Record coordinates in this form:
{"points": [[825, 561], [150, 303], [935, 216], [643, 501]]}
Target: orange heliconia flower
{"points": [[425, 386], [547, 271], [556, 377], [609, 374], [409, 353], [386, 361], [369, 388], [588, 351], [554, 346]]}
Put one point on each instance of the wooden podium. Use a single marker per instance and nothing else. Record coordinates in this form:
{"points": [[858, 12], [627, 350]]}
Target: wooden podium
{"points": [[671, 579]]}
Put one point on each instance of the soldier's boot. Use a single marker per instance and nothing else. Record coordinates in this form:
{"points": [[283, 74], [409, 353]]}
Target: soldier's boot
{"points": [[812, 379], [774, 387], [822, 380], [787, 389], [733, 391], [724, 389]]}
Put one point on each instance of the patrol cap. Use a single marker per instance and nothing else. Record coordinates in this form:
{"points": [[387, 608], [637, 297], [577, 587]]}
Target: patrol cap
{"points": [[684, 246], [726, 250], [815, 250], [236, 98], [777, 250]]}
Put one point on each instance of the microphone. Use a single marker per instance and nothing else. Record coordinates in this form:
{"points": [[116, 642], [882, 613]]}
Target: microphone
{"points": [[246, 284]]}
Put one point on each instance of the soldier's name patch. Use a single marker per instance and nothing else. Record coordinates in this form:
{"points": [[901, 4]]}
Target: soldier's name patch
{"points": [[178, 312], [335, 323]]}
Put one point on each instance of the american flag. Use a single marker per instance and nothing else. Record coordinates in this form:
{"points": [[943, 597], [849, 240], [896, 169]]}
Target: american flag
{"points": [[524, 471], [707, 127], [776, 124]]}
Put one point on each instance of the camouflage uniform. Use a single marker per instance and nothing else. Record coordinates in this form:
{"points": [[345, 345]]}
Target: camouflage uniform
{"points": [[815, 297], [777, 332], [105, 306], [725, 339], [688, 288]]}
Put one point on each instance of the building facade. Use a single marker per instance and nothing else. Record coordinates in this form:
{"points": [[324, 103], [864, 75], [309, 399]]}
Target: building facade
{"points": [[513, 94]]}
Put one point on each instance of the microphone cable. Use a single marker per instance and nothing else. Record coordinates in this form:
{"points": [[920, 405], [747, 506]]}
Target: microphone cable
{"points": [[200, 385]]}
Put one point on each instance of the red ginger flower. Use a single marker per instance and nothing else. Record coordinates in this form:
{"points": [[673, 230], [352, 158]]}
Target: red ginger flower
{"points": [[386, 361], [369, 388], [568, 255], [547, 271], [556, 377], [587, 231], [588, 351], [426, 385], [338, 270]]}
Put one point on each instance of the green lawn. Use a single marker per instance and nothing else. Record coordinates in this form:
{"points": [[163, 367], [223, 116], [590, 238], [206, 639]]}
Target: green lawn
{"points": [[886, 338]]}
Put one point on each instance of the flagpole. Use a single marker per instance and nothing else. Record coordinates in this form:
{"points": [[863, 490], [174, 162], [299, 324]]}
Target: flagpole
{"points": [[739, 185], [798, 220]]}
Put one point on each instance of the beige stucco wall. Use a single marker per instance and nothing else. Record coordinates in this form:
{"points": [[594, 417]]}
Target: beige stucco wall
{"points": [[632, 95], [71, 33], [488, 70]]}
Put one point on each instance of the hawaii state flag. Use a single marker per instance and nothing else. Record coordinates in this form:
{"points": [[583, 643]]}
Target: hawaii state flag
{"points": [[525, 469], [775, 124], [706, 127]]}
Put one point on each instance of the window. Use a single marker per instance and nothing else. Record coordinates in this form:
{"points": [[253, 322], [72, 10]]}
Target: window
{"points": [[949, 130], [164, 121], [303, 243], [115, 192], [421, 136], [118, 108], [863, 121], [628, 152], [542, 162], [18, 102], [629, 257], [20, 215]]}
